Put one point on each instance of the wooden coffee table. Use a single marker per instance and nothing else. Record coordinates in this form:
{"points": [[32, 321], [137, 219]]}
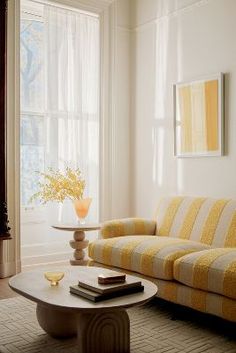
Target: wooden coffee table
{"points": [[102, 327]]}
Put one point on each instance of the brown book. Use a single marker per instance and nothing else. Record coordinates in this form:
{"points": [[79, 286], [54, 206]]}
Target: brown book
{"points": [[96, 297], [110, 277], [91, 284]]}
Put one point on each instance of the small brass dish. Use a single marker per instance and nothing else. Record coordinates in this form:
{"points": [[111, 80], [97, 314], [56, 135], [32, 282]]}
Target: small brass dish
{"points": [[54, 277]]}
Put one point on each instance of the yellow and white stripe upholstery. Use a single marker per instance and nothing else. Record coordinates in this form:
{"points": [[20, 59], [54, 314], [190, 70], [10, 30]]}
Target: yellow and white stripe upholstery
{"points": [[148, 255], [197, 299], [212, 270], [206, 220], [189, 251], [127, 226]]}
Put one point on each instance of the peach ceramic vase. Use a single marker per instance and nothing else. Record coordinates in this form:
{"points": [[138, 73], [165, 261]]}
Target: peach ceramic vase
{"points": [[81, 208]]}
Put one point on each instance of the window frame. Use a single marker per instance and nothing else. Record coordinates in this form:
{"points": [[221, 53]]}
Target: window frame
{"points": [[107, 13], [100, 8], [31, 214]]}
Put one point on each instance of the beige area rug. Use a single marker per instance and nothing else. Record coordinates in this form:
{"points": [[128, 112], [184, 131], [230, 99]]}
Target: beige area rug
{"points": [[156, 327]]}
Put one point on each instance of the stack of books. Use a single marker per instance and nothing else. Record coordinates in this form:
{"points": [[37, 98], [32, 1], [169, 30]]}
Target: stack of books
{"points": [[106, 286]]}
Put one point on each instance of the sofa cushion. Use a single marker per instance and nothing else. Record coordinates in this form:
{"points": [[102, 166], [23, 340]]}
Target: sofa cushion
{"points": [[127, 226], [212, 270], [149, 255], [209, 221], [206, 302]]}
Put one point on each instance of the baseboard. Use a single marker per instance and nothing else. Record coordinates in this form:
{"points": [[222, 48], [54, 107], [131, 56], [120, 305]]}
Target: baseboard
{"points": [[46, 259]]}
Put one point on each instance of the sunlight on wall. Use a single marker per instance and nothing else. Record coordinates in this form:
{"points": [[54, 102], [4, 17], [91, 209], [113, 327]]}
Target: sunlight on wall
{"points": [[162, 29], [155, 154], [163, 124], [160, 139], [158, 133], [179, 58], [179, 50]]}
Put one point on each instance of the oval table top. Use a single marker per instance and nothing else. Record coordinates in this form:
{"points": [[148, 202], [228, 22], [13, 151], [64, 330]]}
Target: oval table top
{"points": [[77, 227], [35, 287]]}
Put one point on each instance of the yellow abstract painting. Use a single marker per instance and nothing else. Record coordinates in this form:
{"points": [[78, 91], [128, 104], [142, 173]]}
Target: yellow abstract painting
{"points": [[199, 117]]}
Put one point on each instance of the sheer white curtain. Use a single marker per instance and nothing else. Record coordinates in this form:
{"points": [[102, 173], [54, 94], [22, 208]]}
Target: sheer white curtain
{"points": [[72, 95]]}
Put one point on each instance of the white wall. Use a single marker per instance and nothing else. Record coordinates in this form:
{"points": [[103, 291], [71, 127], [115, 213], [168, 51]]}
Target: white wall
{"points": [[120, 113], [174, 41]]}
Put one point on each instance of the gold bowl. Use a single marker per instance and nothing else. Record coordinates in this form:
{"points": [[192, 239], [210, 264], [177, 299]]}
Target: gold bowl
{"points": [[54, 277]]}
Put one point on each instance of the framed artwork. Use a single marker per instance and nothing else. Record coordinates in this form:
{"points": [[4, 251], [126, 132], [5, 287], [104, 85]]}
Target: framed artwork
{"points": [[198, 117]]}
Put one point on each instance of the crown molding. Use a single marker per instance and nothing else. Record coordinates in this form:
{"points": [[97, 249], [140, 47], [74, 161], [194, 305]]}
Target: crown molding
{"points": [[169, 15], [96, 6]]}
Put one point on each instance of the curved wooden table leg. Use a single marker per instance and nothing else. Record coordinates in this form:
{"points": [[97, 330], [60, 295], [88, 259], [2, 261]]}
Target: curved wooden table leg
{"points": [[56, 323], [104, 332]]}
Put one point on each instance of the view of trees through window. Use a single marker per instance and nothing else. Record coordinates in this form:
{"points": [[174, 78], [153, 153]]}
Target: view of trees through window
{"points": [[32, 106]]}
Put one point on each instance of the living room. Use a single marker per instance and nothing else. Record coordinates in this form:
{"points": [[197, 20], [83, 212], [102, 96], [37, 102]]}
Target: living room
{"points": [[140, 153]]}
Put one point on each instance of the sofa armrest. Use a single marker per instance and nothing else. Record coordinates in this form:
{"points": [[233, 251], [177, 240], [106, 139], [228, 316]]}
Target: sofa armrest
{"points": [[127, 226]]}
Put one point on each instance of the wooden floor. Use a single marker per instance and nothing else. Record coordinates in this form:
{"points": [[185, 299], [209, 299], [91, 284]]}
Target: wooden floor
{"points": [[7, 292]]}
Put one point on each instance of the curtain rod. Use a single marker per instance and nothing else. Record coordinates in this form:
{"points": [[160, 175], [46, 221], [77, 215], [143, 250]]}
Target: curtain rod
{"points": [[64, 7]]}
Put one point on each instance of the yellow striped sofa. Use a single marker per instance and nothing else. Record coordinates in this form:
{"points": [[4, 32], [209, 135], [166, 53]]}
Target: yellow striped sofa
{"points": [[189, 251]]}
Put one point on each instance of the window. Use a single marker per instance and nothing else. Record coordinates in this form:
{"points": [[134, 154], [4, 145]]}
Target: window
{"points": [[60, 60], [32, 106], [59, 94]]}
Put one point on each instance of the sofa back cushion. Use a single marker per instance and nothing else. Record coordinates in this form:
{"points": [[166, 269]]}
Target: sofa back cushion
{"points": [[207, 220]]}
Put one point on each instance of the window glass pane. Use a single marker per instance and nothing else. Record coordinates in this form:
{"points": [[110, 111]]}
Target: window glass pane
{"points": [[31, 45], [32, 155], [32, 159], [32, 130], [32, 100]]}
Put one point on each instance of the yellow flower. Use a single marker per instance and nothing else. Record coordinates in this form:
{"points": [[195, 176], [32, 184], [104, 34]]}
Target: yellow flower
{"points": [[58, 186]]}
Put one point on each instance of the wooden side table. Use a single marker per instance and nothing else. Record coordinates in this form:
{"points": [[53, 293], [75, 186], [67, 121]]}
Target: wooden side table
{"points": [[79, 243]]}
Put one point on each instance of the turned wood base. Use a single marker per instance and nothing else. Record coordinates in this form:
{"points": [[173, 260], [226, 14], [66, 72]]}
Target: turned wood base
{"points": [[82, 262], [58, 324], [79, 244], [105, 332], [101, 332]]}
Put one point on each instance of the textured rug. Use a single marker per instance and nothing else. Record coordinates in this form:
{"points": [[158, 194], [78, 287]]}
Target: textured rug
{"points": [[156, 327]]}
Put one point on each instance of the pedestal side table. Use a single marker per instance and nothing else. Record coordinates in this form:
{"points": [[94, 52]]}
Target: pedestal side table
{"points": [[79, 243]]}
